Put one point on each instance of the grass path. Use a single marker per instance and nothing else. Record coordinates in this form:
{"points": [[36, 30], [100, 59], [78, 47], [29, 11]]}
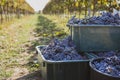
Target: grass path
{"points": [[17, 47], [15, 59]]}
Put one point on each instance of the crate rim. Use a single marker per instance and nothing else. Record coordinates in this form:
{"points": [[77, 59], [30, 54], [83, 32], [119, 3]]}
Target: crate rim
{"points": [[91, 25], [62, 61], [91, 66]]}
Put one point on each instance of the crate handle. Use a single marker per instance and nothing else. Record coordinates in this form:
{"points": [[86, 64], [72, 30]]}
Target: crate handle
{"points": [[43, 64]]}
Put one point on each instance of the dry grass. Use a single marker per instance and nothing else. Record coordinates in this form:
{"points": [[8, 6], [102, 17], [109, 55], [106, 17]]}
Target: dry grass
{"points": [[17, 46]]}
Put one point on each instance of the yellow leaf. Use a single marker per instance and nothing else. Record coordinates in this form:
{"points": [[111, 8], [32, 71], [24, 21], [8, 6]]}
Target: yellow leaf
{"points": [[77, 4], [92, 7], [44, 34]]}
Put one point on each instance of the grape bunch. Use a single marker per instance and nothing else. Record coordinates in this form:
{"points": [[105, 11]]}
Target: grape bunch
{"points": [[110, 66], [105, 19], [59, 50], [108, 54]]}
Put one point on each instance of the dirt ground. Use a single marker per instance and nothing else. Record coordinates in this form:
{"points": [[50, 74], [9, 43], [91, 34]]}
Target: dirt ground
{"points": [[27, 56]]}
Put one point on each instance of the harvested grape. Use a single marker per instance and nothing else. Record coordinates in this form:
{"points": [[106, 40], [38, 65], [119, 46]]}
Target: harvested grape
{"points": [[109, 65], [107, 54], [59, 50], [105, 19]]}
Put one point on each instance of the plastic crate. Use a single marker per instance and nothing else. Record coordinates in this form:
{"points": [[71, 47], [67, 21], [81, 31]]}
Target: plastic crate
{"points": [[63, 70], [98, 75], [89, 38]]}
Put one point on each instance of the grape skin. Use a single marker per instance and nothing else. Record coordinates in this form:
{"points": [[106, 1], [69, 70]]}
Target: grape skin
{"points": [[105, 19], [59, 50], [110, 65], [107, 54]]}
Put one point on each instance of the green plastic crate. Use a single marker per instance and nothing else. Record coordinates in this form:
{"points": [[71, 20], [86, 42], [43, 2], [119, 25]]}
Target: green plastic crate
{"points": [[63, 70], [92, 38], [98, 75]]}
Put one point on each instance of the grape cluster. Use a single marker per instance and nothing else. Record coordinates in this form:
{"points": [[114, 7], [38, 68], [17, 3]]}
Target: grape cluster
{"points": [[59, 50], [110, 65], [105, 19], [108, 54]]}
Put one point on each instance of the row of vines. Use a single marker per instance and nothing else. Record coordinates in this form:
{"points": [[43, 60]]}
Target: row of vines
{"points": [[13, 8], [63, 6]]}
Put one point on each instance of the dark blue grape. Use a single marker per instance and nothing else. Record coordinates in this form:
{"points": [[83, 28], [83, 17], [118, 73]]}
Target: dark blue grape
{"points": [[105, 19], [110, 65], [59, 50], [106, 54]]}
